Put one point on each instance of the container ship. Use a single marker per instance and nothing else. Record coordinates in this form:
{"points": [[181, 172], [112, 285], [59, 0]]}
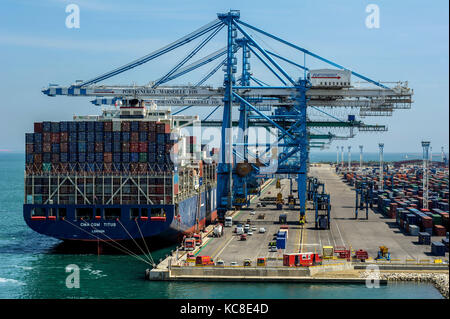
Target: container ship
{"points": [[125, 174]]}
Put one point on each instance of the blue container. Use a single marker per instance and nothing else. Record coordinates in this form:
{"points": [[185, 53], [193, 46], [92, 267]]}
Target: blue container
{"points": [[90, 136], [73, 158], [81, 126], [151, 157], [151, 147], [90, 126], [37, 138], [99, 136], [445, 242], [82, 157], [29, 158], [351, 118], [134, 157], [437, 248], [117, 136], [125, 136], [424, 238], [108, 137], [55, 148], [116, 158], [411, 219], [91, 147], [125, 157], [281, 243], [107, 147], [73, 147], [63, 126], [55, 127], [82, 137], [90, 167], [99, 157], [82, 148], [160, 138], [117, 147], [99, 126], [90, 157], [428, 230], [46, 157], [134, 126], [29, 138], [46, 127], [64, 157], [72, 126], [73, 137], [161, 148], [37, 148], [143, 136]]}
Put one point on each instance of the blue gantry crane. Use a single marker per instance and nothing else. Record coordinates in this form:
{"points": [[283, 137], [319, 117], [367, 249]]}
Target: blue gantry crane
{"points": [[294, 111]]}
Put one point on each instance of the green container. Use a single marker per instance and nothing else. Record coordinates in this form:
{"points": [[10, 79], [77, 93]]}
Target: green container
{"points": [[437, 219], [143, 157], [46, 167]]}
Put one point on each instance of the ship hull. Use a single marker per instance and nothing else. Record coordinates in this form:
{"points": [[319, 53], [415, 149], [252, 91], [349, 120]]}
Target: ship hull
{"points": [[185, 217]]}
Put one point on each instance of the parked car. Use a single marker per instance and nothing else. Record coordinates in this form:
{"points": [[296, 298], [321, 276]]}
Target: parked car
{"points": [[262, 230], [254, 228], [273, 248], [233, 263], [252, 212], [220, 263], [250, 233], [243, 237]]}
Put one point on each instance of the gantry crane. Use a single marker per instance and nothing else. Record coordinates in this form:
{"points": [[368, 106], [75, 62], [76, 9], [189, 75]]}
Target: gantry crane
{"points": [[294, 111]]}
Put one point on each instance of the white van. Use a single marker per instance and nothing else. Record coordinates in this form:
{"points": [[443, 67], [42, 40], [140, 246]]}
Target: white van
{"points": [[228, 221]]}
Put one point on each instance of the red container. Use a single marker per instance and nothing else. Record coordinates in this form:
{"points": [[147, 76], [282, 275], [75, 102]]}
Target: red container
{"points": [[55, 137], [125, 126], [63, 147], [29, 147], [55, 158], [152, 127], [37, 127], [125, 147], [46, 147], [427, 222], [107, 157], [143, 147], [439, 230], [134, 147], [98, 146], [143, 126], [64, 137], [134, 137], [37, 158], [162, 127], [175, 189], [107, 126]]}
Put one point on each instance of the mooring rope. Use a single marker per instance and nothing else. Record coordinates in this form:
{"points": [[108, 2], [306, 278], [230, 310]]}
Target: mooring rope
{"points": [[143, 239], [124, 250], [134, 241]]}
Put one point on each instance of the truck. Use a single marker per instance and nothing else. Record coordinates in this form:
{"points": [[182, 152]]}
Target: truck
{"points": [[228, 221], [218, 231], [189, 244], [204, 261], [301, 259], [198, 239]]}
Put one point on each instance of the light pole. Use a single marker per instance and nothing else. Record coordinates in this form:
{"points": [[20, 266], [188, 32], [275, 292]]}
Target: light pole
{"points": [[426, 147], [381, 146], [342, 157], [349, 158], [360, 156]]}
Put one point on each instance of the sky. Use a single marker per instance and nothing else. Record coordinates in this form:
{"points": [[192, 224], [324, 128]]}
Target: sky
{"points": [[36, 48]]}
